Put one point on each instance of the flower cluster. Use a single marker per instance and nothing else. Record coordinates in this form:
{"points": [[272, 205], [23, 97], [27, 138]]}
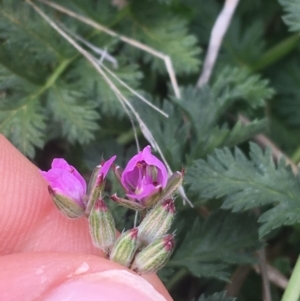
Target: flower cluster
{"points": [[148, 190]]}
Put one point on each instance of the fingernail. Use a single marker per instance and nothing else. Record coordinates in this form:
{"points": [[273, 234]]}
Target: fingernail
{"points": [[113, 285]]}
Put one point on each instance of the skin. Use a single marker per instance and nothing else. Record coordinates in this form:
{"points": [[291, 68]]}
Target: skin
{"points": [[46, 256]]}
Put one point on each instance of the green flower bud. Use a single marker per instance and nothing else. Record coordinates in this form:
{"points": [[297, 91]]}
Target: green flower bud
{"points": [[66, 205], [125, 248], [118, 173], [93, 179], [97, 183], [173, 184], [157, 222], [95, 193], [154, 256], [102, 227]]}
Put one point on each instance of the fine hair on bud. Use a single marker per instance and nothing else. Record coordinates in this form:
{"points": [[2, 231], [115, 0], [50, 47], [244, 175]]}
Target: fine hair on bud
{"points": [[154, 256], [125, 247], [157, 222], [102, 226]]}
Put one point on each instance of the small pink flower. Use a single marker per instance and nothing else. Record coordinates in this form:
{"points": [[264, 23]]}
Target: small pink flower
{"points": [[65, 180], [144, 175]]}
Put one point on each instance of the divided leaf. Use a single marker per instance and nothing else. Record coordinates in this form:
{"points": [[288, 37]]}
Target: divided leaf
{"points": [[168, 34], [232, 84], [76, 115], [210, 247], [89, 81], [220, 137], [292, 18], [204, 107], [248, 184], [24, 125]]}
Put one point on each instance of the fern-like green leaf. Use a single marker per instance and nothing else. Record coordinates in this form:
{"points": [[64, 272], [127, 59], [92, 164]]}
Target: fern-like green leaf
{"points": [[249, 183], [210, 247], [204, 107], [76, 115], [220, 137], [29, 45], [168, 34], [292, 17], [24, 124], [233, 84], [94, 86]]}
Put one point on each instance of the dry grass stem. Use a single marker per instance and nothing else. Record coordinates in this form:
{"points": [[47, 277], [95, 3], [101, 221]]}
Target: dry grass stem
{"points": [[216, 38], [145, 130], [274, 276], [125, 39]]}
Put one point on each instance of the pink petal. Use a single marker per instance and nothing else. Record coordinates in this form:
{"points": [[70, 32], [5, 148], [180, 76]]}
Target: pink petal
{"points": [[132, 179], [64, 182], [148, 190], [152, 160], [62, 164], [132, 163], [79, 177], [106, 166]]}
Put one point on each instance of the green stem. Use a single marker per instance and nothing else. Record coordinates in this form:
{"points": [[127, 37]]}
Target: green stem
{"points": [[51, 80], [292, 292], [276, 53], [182, 273], [55, 75]]}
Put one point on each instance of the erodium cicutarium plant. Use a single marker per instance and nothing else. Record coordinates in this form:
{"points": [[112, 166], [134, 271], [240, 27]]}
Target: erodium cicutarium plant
{"points": [[147, 189]]}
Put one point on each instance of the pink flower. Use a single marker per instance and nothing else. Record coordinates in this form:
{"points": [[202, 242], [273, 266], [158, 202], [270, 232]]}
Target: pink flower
{"points": [[65, 180], [144, 175]]}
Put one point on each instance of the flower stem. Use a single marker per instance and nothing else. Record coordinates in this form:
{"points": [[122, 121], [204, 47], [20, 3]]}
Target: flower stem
{"points": [[292, 292], [182, 273]]}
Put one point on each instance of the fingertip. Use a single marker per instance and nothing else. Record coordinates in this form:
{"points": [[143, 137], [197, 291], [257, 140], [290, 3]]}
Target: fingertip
{"points": [[29, 221], [112, 285], [69, 276]]}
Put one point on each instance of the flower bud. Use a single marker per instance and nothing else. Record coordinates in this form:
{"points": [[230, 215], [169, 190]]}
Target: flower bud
{"points": [[125, 247], [102, 226], [93, 179], [118, 173], [127, 203], [95, 194], [67, 187], [173, 183], [154, 256], [66, 205], [96, 183], [157, 222]]}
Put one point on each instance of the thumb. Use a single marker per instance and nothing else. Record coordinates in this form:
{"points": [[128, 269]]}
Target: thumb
{"points": [[74, 277]]}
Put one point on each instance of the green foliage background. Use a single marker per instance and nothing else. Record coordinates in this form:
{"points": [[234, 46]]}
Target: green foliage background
{"points": [[54, 103]]}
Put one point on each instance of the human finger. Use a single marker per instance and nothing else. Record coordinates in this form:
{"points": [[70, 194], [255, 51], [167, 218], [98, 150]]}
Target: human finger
{"points": [[68, 276]]}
